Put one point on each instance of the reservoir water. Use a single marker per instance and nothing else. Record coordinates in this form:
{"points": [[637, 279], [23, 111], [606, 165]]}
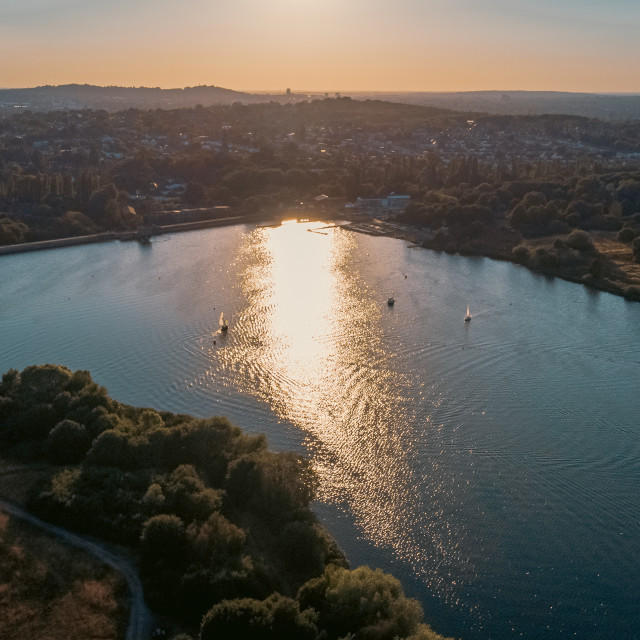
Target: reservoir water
{"points": [[493, 466]]}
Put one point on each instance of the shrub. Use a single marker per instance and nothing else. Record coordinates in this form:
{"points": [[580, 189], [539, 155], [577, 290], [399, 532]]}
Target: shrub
{"points": [[521, 254], [163, 537], [580, 241], [546, 259], [276, 618], [368, 602], [627, 235], [632, 293], [68, 442]]}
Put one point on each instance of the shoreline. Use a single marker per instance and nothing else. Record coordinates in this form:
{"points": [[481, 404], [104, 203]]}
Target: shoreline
{"points": [[157, 230], [126, 236], [416, 237], [357, 223]]}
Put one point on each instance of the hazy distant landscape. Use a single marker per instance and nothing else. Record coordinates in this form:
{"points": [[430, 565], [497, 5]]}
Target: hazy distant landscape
{"points": [[592, 105]]}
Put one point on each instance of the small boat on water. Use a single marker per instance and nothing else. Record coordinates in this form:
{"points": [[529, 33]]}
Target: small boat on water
{"points": [[467, 318], [223, 323], [391, 300]]}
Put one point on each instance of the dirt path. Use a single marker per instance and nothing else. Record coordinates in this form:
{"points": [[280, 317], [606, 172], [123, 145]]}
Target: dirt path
{"points": [[140, 619]]}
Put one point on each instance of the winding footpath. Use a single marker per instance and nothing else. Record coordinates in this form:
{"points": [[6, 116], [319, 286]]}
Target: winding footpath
{"points": [[140, 619]]}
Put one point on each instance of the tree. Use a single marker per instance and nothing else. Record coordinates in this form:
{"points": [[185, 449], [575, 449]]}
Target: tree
{"points": [[163, 537], [276, 618], [217, 539], [12, 231], [580, 241], [364, 602], [111, 449], [627, 235], [275, 484], [68, 442]]}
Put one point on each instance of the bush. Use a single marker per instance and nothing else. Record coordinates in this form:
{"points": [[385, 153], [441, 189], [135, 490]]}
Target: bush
{"points": [[68, 442], [546, 259], [273, 484], [276, 618], [632, 293], [580, 241], [163, 538], [365, 602], [521, 254], [627, 235], [217, 540]]}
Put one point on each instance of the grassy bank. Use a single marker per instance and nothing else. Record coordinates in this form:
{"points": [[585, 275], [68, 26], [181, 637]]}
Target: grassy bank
{"points": [[50, 590]]}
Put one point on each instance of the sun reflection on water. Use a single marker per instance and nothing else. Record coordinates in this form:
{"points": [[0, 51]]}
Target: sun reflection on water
{"points": [[309, 342]]}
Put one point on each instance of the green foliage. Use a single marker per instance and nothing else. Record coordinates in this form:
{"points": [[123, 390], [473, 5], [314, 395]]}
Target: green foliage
{"points": [[185, 494], [304, 548], [580, 241], [546, 259], [163, 539], [627, 235], [212, 513], [39, 397], [273, 484], [425, 632], [533, 198], [68, 442], [632, 293], [75, 223], [370, 604], [521, 254], [218, 540], [112, 448], [102, 501], [12, 231], [276, 618], [63, 485]]}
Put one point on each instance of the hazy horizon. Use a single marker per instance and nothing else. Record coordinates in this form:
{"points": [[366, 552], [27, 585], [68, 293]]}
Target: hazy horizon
{"points": [[332, 92], [400, 46]]}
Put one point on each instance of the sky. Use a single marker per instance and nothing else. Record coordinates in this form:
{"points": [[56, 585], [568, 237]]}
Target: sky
{"points": [[324, 45]]}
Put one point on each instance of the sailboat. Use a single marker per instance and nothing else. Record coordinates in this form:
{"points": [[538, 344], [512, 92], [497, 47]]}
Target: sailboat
{"points": [[467, 318], [223, 323]]}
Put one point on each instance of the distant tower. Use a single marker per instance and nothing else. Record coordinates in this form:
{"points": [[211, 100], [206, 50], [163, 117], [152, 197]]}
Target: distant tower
{"points": [[288, 92]]}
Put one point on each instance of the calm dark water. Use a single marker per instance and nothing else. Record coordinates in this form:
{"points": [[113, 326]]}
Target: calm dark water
{"points": [[493, 466]]}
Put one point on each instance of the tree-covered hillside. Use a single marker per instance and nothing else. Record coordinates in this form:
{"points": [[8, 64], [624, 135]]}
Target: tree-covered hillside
{"points": [[220, 524]]}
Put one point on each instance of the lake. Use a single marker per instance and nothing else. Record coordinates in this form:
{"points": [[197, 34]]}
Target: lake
{"points": [[493, 466]]}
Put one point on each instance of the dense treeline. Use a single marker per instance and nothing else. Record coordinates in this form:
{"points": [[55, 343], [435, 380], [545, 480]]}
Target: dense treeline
{"points": [[76, 172], [548, 225], [214, 516]]}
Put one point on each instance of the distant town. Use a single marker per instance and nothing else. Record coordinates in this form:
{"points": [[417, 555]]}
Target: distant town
{"points": [[507, 186]]}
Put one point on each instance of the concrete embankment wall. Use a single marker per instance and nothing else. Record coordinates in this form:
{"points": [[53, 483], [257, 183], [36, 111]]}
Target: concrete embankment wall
{"points": [[65, 242], [124, 235]]}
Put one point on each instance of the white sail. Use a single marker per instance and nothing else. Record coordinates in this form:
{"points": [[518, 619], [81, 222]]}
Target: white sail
{"points": [[222, 322]]}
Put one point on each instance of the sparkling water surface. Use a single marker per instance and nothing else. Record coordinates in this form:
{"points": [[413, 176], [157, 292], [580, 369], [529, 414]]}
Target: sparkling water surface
{"points": [[493, 466]]}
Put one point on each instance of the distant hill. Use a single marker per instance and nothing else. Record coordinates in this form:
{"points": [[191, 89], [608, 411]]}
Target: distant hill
{"points": [[77, 96], [605, 106], [85, 96]]}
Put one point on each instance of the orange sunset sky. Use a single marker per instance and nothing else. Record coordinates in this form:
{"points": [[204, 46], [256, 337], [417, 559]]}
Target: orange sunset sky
{"points": [[393, 45]]}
